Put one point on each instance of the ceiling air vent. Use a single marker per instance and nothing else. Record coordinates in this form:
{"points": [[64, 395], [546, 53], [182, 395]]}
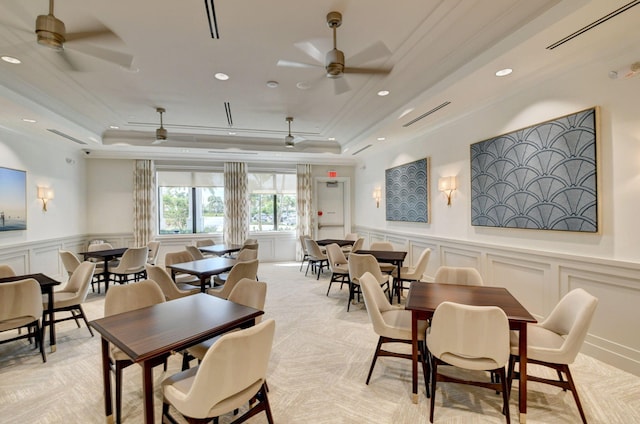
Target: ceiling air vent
{"points": [[593, 24], [358, 151], [67, 136], [424, 115], [211, 18], [227, 110]]}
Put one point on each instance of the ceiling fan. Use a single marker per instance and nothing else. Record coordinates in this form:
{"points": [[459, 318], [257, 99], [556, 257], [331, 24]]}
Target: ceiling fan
{"points": [[334, 63], [161, 133], [51, 33], [290, 141]]}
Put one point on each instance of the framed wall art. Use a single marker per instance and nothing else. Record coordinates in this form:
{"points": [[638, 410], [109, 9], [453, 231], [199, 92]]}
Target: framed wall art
{"points": [[541, 177], [13, 199], [407, 192]]}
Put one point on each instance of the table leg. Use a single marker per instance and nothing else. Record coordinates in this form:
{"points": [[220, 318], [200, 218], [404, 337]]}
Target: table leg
{"points": [[108, 407], [414, 356], [147, 388], [105, 275], [398, 282], [523, 373], [203, 283], [52, 319]]}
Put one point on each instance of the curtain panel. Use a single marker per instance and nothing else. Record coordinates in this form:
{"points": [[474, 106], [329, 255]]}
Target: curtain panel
{"points": [[305, 215], [144, 202], [236, 202]]}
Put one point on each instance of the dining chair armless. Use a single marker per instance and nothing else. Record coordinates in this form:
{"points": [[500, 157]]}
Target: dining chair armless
{"points": [[458, 275], [338, 265], [131, 266], [239, 271], [6, 271], [360, 264], [167, 285]]}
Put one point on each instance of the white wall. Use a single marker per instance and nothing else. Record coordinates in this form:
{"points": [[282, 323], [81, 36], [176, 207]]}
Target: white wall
{"points": [[110, 196]]}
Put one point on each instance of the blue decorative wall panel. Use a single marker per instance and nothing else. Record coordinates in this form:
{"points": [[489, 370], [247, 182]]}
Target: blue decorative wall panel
{"points": [[541, 177], [407, 194]]}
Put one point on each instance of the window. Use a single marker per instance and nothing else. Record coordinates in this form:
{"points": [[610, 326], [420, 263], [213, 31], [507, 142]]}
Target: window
{"points": [[190, 202], [272, 202]]}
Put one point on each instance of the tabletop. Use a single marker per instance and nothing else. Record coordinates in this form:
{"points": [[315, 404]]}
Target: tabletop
{"points": [[114, 253], [44, 280], [221, 249], [204, 267], [396, 256], [339, 242]]}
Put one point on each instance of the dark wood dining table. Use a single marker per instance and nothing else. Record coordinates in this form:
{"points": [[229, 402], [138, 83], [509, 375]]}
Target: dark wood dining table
{"points": [[394, 257], [339, 242], [46, 287], [424, 298], [203, 268], [149, 335], [106, 256], [221, 249]]}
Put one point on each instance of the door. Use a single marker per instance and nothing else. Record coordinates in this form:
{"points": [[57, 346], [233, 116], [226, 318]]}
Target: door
{"points": [[332, 208]]}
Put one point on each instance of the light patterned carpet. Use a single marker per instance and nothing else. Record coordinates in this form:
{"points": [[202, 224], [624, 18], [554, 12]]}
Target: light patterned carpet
{"points": [[320, 359]]}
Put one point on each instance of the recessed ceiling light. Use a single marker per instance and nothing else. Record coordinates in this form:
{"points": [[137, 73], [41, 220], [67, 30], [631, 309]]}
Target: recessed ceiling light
{"points": [[11, 59], [302, 85], [114, 127], [504, 72], [272, 84], [31, 121], [383, 93], [221, 76], [381, 139], [332, 139]]}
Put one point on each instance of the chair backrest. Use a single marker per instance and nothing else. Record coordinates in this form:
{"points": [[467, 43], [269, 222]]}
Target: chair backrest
{"points": [[19, 299], [247, 255], [360, 264], [461, 333], [70, 261], [164, 281], [381, 245], [134, 259], [205, 242], [249, 246], [194, 252], [571, 319], [313, 250], [335, 256], [6, 271], [375, 300], [99, 246], [177, 258], [235, 365], [359, 244], [249, 292], [303, 244], [351, 236], [423, 261], [128, 297], [458, 275], [239, 271], [250, 241], [154, 249], [79, 282]]}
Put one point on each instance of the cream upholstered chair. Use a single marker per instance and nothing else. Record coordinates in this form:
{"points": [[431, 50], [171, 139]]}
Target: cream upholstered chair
{"points": [[195, 253], [349, 236], [121, 299], [338, 265], [131, 266], [232, 373], [556, 341], [471, 338], [458, 275], [6, 271], [413, 273], [358, 245], [204, 242], [182, 256], [244, 255], [392, 324], [154, 249], [387, 246], [70, 261], [246, 292], [360, 264], [317, 260], [166, 284], [21, 306], [98, 274], [73, 294], [239, 271], [305, 254]]}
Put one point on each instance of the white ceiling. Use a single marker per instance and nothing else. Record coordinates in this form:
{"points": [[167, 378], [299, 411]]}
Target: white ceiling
{"points": [[441, 51]]}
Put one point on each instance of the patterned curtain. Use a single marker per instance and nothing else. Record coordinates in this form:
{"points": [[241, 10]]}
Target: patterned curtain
{"points": [[305, 216], [144, 202], [236, 202]]}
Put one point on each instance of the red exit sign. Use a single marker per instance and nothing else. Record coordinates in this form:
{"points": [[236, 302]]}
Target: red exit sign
{"points": [[332, 174]]}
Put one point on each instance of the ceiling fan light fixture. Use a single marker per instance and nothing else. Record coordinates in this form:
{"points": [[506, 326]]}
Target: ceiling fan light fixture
{"points": [[50, 31]]}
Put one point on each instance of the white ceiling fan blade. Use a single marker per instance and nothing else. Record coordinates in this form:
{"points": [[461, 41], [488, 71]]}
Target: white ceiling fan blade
{"points": [[311, 51], [118, 58], [158, 141], [292, 64], [66, 61], [97, 34], [375, 51], [370, 71], [340, 85]]}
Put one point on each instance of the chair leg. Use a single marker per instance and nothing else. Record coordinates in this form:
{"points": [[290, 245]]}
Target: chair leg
{"points": [[84, 317], [572, 387], [186, 358], [307, 271], [434, 372], [37, 335], [118, 372], [375, 357]]}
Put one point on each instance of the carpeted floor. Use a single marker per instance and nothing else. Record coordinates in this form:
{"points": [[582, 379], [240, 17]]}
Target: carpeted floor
{"points": [[320, 359]]}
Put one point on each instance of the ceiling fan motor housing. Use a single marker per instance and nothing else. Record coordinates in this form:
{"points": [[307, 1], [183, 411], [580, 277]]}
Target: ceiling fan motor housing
{"points": [[50, 31], [161, 134], [334, 63]]}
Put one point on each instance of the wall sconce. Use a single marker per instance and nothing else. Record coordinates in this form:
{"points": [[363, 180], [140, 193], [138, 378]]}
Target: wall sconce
{"points": [[377, 195], [447, 185], [45, 194]]}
